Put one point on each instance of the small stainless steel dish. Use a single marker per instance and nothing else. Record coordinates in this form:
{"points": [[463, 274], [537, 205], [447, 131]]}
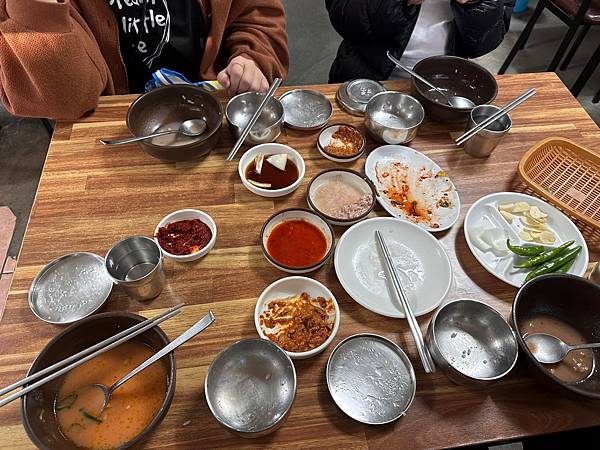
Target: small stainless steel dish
{"points": [[305, 109], [136, 264], [371, 379], [471, 342], [240, 109], [354, 95], [348, 176], [393, 117], [325, 138], [250, 387], [70, 288]]}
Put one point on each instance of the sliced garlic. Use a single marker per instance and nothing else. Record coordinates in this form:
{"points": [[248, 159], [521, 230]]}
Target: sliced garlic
{"points": [[508, 216], [521, 207], [533, 223], [535, 212], [506, 207], [547, 237], [526, 236]]}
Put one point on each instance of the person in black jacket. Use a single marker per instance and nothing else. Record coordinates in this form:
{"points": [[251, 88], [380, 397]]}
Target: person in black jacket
{"points": [[372, 27]]}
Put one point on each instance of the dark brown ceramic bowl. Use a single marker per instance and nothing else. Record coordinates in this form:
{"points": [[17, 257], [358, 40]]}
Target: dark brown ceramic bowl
{"points": [[460, 77], [572, 300], [37, 407], [175, 104]]}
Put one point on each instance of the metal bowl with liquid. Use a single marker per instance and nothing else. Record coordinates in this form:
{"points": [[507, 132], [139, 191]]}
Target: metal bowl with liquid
{"points": [[393, 117], [242, 107]]}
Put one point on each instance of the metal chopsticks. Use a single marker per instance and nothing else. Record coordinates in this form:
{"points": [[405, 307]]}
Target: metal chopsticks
{"points": [[428, 364], [85, 355], [512, 105], [254, 118]]}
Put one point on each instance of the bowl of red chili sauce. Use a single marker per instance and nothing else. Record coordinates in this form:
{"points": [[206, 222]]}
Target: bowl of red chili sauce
{"points": [[186, 235], [297, 240]]}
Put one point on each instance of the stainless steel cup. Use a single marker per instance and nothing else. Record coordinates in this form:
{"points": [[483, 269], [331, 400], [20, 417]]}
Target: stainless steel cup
{"points": [[136, 264], [483, 143]]}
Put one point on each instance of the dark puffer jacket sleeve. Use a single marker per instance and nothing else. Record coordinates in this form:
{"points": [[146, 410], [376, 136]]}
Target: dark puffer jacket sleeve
{"points": [[480, 26]]}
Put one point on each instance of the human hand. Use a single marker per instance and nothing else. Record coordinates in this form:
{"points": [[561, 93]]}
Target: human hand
{"points": [[242, 75]]}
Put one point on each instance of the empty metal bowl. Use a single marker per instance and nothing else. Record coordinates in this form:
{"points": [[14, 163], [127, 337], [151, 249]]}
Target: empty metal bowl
{"points": [[250, 387], [267, 128], [471, 342], [569, 299], [393, 118], [165, 108], [456, 76], [305, 109]]}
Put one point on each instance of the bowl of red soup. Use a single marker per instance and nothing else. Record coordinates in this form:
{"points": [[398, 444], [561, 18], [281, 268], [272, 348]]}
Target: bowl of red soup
{"points": [[186, 235], [56, 416], [297, 240]]}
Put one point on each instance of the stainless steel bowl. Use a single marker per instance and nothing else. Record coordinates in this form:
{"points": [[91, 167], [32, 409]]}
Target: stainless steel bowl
{"points": [[250, 387], [393, 117], [305, 109], [240, 109], [471, 342]]}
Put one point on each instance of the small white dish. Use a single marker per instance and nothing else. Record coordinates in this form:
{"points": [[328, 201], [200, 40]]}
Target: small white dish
{"points": [[297, 214], [188, 214], [422, 264], [484, 213], [348, 176], [431, 188], [287, 287], [325, 139], [271, 149]]}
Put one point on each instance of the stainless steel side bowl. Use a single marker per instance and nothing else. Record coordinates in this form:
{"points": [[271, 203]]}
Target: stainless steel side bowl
{"points": [[393, 117], [250, 387], [471, 342], [267, 128]]}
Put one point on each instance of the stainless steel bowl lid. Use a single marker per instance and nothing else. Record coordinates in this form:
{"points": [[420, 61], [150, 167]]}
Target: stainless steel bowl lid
{"points": [[304, 109], [354, 95], [371, 379], [70, 288]]}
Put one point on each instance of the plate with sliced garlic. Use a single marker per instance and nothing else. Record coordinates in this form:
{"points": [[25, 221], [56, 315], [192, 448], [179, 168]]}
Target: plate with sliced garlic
{"points": [[525, 221]]}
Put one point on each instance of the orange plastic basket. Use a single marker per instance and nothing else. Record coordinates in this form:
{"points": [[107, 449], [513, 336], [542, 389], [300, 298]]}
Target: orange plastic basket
{"points": [[567, 175]]}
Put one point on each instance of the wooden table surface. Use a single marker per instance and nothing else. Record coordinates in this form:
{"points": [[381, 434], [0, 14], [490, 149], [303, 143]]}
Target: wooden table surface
{"points": [[91, 196]]}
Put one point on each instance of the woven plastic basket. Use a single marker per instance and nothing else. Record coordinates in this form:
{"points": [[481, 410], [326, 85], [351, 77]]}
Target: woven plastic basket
{"points": [[567, 175]]}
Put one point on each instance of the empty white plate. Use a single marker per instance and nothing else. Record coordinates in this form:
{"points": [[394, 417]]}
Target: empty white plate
{"points": [[420, 260]]}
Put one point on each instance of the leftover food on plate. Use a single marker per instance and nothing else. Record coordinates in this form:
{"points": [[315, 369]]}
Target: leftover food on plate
{"points": [[345, 142], [298, 323]]}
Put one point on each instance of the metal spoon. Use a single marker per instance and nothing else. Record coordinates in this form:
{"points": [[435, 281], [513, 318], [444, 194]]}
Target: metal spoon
{"points": [[455, 101], [102, 394], [190, 128], [549, 349]]}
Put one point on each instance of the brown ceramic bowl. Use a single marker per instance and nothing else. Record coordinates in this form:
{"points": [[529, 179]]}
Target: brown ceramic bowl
{"points": [[460, 77], [37, 407], [174, 104], [572, 300]]}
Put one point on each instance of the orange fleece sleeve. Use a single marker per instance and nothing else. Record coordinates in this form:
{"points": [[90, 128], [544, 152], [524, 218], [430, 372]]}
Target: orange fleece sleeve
{"points": [[50, 63], [257, 30]]}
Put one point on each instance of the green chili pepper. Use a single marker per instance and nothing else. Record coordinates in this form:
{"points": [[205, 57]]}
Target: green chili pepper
{"points": [[530, 250], [554, 264], [543, 257], [565, 267], [91, 417]]}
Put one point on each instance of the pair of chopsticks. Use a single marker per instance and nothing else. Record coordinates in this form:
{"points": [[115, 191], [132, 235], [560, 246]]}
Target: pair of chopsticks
{"points": [[83, 356], [426, 359], [512, 105], [253, 119]]}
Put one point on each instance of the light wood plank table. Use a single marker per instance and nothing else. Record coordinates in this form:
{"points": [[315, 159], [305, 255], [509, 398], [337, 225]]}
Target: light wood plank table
{"points": [[90, 196]]}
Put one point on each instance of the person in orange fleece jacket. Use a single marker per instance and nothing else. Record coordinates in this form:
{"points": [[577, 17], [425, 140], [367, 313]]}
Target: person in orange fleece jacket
{"points": [[58, 56]]}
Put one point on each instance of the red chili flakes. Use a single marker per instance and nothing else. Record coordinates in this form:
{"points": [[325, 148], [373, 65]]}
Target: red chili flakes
{"points": [[184, 237]]}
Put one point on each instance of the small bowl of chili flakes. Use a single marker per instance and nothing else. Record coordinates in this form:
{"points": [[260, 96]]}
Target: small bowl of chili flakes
{"points": [[186, 235], [341, 143], [298, 314]]}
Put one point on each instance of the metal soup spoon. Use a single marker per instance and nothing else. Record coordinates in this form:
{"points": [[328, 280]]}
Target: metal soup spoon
{"points": [[549, 349], [455, 101], [190, 128], [93, 398]]}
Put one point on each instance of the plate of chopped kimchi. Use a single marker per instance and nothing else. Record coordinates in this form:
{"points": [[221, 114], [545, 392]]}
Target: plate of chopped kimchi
{"points": [[412, 187]]}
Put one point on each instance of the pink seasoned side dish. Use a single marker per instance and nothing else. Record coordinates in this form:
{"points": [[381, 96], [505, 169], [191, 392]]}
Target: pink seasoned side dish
{"points": [[342, 201]]}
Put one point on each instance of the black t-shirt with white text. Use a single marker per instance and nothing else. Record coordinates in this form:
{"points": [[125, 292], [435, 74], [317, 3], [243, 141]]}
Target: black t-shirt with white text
{"points": [[156, 34]]}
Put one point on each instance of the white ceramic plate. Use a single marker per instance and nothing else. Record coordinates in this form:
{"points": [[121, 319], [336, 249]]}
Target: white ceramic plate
{"points": [[286, 287], [420, 259], [484, 213], [427, 191]]}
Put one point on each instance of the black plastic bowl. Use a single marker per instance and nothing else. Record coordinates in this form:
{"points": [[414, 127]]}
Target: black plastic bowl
{"points": [[572, 300], [37, 407], [460, 77], [172, 104]]}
